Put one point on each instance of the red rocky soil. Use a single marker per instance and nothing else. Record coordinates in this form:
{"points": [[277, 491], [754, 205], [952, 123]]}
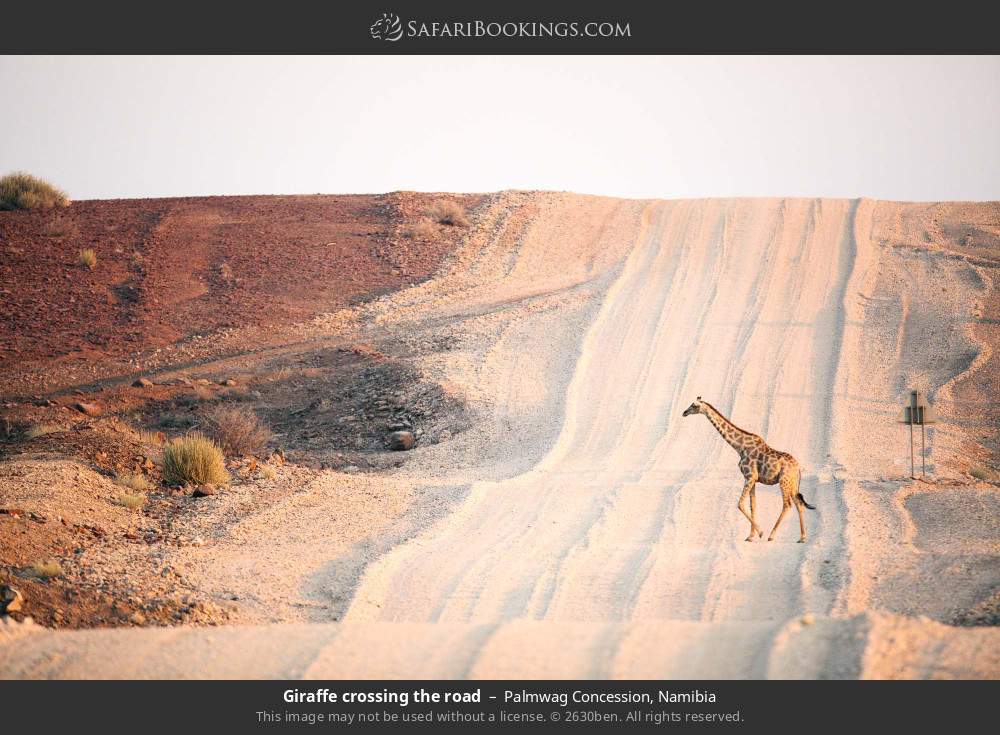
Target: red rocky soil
{"points": [[172, 273], [168, 269]]}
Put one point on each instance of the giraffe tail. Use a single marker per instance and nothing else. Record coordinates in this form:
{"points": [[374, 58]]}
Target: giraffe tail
{"points": [[799, 495]]}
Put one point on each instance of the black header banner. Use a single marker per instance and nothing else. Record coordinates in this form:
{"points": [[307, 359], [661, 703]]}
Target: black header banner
{"points": [[448, 27]]}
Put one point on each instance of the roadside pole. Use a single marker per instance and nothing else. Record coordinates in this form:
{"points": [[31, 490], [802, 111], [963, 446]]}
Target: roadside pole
{"points": [[918, 412]]}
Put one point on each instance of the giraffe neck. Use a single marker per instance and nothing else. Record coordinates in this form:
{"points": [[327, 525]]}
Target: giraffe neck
{"points": [[731, 433]]}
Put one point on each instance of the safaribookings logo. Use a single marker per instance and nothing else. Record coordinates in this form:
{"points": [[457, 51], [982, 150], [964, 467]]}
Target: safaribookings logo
{"points": [[390, 28], [387, 28]]}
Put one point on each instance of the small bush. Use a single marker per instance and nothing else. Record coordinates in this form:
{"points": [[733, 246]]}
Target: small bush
{"points": [[24, 191], [175, 421], [235, 393], [87, 258], [281, 375], [11, 429], [46, 569], [153, 438], [448, 212], [237, 430], [132, 501], [983, 473], [36, 430], [194, 460], [55, 228], [422, 230], [133, 481]]}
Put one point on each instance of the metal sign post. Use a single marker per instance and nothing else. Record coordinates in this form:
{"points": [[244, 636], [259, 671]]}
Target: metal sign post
{"points": [[918, 412]]}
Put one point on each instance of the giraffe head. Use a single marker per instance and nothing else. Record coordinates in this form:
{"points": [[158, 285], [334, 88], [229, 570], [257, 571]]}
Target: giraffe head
{"points": [[695, 407]]}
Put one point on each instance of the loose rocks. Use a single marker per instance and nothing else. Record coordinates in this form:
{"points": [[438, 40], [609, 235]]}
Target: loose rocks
{"points": [[89, 409], [401, 441], [10, 600]]}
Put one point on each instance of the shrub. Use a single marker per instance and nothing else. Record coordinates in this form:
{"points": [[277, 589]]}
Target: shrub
{"points": [[24, 191], [983, 473], [422, 230], [87, 258], [237, 430], [193, 460], [235, 393], [282, 374], [133, 481], [46, 569], [448, 212], [175, 421]]}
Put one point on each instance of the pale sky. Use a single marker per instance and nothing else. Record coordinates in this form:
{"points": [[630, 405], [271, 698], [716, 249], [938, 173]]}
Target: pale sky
{"points": [[909, 128]]}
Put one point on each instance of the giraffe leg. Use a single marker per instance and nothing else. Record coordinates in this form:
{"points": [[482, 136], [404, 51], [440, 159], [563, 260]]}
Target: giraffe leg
{"points": [[742, 505], [790, 492], [802, 521], [753, 513], [786, 504]]}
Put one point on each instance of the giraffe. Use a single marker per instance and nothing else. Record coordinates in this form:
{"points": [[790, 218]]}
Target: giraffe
{"points": [[759, 463]]}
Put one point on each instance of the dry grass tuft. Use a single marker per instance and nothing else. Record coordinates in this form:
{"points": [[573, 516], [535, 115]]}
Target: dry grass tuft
{"points": [[46, 569], [194, 460], [133, 481], [132, 501], [24, 191], [87, 258], [281, 375], [448, 212], [235, 393], [37, 430], [203, 393], [150, 438], [175, 421], [424, 229], [238, 430], [56, 227], [981, 472]]}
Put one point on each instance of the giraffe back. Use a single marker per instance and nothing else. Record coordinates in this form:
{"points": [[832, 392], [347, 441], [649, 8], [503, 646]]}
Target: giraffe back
{"points": [[769, 463]]}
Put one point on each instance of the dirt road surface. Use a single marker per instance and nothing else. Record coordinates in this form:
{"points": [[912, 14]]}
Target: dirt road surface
{"points": [[581, 527]]}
